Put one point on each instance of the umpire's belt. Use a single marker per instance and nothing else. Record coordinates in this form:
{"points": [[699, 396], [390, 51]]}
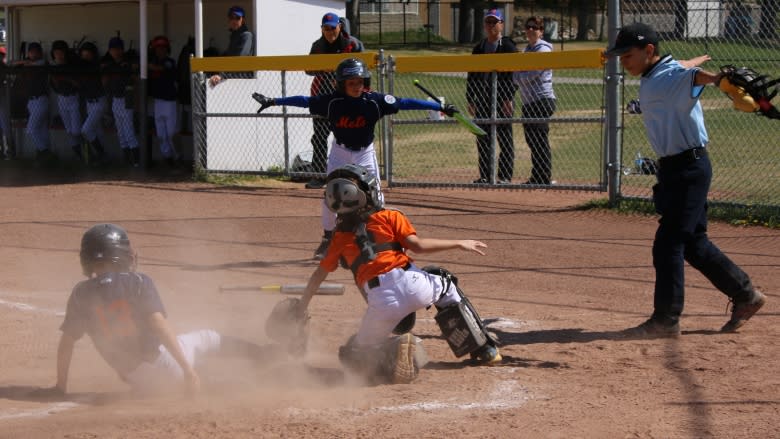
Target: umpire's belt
{"points": [[374, 281], [684, 158]]}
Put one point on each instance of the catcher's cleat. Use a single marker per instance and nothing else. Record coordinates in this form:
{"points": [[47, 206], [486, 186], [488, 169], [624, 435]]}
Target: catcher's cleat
{"points": [[405, 370], [488, 356], [652, 328], [742, 311]]}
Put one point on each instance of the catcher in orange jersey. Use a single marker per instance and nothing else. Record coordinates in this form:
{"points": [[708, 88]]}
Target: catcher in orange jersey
{"points": [[371, 241]]}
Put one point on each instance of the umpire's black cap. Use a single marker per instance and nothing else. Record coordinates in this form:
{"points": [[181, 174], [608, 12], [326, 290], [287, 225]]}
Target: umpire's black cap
{"points": [[633, 35]]}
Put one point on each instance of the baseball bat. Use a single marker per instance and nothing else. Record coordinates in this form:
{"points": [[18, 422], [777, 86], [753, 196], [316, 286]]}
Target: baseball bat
{"points": [[463, 120], [324, 289]]}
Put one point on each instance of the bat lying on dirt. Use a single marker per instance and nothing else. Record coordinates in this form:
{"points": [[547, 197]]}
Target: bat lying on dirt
{"points": [[324, 290]]}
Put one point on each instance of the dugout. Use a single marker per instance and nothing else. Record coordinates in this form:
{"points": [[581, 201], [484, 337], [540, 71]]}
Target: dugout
{"points": [[281, 27]]}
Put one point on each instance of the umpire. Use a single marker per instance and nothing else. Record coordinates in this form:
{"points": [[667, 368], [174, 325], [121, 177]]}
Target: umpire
{"points": [[334, 39], [674, 121]]}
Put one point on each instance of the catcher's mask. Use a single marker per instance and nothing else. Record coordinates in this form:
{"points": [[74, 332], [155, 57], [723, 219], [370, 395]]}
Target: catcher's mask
{"points": [[106, 243], [350, 189], [352, 68]]}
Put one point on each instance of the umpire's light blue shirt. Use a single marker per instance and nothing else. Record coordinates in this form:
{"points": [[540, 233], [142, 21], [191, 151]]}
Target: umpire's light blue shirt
{"points": [[671, 109]]}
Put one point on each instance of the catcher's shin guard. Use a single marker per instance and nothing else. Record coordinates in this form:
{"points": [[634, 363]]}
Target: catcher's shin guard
{"points": [[459, 323]]}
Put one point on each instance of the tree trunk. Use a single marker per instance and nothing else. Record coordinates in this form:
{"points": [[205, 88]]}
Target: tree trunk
{"points": [[767, 27]]}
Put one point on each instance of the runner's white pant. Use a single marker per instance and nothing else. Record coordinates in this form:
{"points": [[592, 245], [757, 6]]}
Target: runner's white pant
{"points": [[123, 120], [70, 114], [165, 123], [340, 156], [38, 122], [165, 371], [92, 127], [399, 293]]}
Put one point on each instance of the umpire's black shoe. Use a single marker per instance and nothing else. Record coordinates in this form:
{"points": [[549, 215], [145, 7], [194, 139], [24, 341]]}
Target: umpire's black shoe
{"points": [[742, 311], [652, 328], [315, 183]]}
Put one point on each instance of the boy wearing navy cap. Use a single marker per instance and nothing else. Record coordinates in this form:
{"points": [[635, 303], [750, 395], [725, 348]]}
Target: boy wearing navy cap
{"points": [[669, 92]]}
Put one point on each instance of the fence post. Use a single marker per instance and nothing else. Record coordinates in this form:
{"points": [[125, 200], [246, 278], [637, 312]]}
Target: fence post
{"points": [[493, 126], [614, 123], [385, 127]]}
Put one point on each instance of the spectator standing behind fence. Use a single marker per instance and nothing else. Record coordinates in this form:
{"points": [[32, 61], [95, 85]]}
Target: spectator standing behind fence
{"points": [[91, 89], [162, 88], [36, 81], [118, 74], [334, 39], [65, 85], [242, 41], [7, 150], [479, 97], [674, 121], [536, 90]]}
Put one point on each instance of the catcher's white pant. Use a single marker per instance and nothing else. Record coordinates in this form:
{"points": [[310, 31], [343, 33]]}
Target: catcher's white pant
{"points": [[165, 371], [399, 293], [123, 120], [38, 122], [70, 114], [92, 127], [165, 123], [339, 156]]}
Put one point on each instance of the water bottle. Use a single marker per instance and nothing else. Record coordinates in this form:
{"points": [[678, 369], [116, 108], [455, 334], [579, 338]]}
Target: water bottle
{"points": [[638, 162]]}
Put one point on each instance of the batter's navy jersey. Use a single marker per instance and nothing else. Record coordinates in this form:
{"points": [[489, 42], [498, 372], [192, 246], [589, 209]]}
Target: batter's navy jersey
{"points": [[352, 120], [114, 309]]}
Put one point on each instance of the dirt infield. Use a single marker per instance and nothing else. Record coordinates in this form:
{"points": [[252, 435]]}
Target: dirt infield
{"points": [[555, 286]]}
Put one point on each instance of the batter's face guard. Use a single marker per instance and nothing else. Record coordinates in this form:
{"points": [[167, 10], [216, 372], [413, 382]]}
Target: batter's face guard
{"points": [[352, 68], [350, 189], [106, 243]]}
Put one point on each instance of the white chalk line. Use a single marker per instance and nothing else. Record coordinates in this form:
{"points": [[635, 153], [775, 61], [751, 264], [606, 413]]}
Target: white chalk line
{"points": [[505, 395], [31, 308], [38, 413]]}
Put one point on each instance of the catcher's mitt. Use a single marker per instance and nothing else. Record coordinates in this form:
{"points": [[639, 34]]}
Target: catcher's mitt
{"points": [[288, 324], [750, 91]]}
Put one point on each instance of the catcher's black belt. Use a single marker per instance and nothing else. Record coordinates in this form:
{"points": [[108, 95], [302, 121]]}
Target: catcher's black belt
{"points": [[374, 281], [684, 158]]}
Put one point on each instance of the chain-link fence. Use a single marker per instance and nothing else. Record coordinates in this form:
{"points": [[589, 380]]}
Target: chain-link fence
{"points": [[426, 149]]}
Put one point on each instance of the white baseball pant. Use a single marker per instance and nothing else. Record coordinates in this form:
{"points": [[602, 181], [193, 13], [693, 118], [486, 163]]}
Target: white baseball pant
{"points": [[165, 122], [70, 114], [92, 127], [400, 292], [339, 156], [165, 371], [38, 122], [123, 120]]}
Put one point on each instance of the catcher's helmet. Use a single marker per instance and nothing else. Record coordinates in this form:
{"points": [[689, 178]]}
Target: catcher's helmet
{"points": [[106, 243], [350, 189], [352, 68]]}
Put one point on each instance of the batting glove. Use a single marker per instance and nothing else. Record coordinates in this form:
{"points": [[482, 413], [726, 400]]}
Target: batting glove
{"points": [[449, 110], [264, 101]]}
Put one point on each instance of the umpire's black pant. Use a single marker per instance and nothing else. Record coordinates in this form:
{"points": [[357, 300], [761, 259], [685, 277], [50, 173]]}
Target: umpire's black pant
{"points": [[681, 198]]}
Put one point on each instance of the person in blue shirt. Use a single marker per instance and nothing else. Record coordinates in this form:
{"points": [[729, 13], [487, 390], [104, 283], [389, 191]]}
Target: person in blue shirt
{"points": [[352, 111], [121, 311], [674, 121]]}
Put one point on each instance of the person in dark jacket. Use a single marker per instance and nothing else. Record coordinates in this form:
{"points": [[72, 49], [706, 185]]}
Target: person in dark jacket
{"points": [[162, 88], [334, 39], [242, 41], [64, 82], [118, 75], [37, 88], [91, 91], [479, 98]]}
